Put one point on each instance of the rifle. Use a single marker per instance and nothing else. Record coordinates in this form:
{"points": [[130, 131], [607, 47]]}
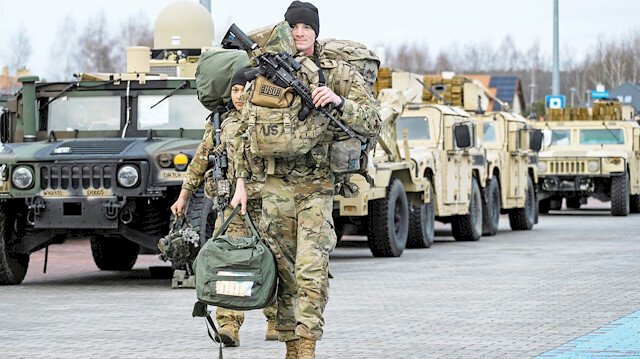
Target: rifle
{"points": [[219, 164], [281, 69]]}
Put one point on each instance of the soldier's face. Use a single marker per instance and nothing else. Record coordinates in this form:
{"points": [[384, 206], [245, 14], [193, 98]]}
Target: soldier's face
{"points": [[305, 37], [236, 96]]}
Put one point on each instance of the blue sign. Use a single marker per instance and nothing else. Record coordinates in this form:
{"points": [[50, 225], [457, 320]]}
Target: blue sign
{"points": [[555, 101], [599, 94]]}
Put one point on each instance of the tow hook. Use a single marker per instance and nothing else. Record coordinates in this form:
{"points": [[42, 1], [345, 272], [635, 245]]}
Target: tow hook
{"points": [[35, 206]]}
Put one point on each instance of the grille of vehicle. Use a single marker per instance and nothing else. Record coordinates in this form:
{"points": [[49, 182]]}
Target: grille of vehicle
{"points": [[94, 147], [167, 70], [69, 176], [568, 167]]}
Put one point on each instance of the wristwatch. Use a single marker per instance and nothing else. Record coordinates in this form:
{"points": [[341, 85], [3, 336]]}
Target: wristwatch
{"points": [[340, 106]]}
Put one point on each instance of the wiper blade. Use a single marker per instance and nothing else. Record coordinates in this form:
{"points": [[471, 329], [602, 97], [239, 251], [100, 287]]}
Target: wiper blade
{"points": [[611, 132], [65, 90], [185, 84]]}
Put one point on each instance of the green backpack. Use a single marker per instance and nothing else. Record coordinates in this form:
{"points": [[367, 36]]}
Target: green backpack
{"points": [[235, 273], [213, 75]]}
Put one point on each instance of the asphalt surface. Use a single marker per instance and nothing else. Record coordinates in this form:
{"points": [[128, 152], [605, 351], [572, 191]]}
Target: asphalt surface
{"points": [[515, 295]]}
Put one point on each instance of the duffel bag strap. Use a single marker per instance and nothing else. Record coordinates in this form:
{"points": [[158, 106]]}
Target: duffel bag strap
{"points": [[249, 222], [227, 222], [200, 310]]}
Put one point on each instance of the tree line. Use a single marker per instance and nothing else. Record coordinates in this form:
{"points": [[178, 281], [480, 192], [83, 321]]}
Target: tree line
{"points": [[93, 46], [609, 61]]}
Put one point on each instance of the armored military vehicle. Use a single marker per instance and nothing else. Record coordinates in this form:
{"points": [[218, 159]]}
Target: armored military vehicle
{"points": [[408, 193], [505, 160], [590, 153], [104, 156]]}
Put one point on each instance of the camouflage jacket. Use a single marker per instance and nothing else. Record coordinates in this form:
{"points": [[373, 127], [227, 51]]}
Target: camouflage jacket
{"points": [[358, 112], [231, 141]]}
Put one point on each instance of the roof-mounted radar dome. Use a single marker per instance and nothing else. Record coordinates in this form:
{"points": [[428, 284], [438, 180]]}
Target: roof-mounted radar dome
{"points": [[183, 25]]}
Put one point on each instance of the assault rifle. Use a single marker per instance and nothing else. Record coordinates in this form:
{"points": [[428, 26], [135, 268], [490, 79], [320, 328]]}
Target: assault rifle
{"points": [[219, 164], [281, 69]]}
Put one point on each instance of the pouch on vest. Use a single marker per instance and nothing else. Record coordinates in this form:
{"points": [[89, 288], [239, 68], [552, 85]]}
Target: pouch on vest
{"points": [[344, 156], [267, 94], [277, 132], [236, 273]]}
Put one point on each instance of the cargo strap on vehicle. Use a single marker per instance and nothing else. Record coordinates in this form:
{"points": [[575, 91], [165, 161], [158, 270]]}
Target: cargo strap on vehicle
{"points": [[200, 310]]}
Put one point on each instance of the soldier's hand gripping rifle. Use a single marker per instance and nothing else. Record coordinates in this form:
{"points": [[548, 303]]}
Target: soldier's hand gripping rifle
{"points": [[219, 164], [281, 69]]}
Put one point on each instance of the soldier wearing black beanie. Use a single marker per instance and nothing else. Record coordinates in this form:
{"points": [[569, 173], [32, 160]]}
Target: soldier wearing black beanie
{"points": [[305, 13]]}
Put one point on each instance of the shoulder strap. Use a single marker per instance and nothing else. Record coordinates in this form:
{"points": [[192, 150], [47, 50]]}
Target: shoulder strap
{"points": [[200, 310], [227, 222]]}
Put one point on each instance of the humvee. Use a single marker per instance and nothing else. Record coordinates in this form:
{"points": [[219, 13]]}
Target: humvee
{"points": [[104, 156], [590, 153]]}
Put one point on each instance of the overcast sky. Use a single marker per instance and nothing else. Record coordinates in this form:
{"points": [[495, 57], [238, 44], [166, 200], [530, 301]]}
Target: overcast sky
{"points": [[437, 24]]}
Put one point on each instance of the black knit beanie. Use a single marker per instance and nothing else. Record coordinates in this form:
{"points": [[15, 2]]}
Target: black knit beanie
{"points": [[239, 77], [305, 13]]}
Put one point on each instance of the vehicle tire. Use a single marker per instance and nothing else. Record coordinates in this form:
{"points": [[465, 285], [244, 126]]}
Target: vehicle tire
{"points": [[13, 266], [620, 195], [388, 219], [544, 205], [422, 224], [573, 203], [634, 203], [114, 252], [491, 208], [200, 214], [522, 219], [468, 227]]}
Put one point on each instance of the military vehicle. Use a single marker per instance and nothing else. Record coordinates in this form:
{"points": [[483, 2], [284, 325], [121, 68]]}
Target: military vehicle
{"points": [[104, 156], [504, 162], [590, 153], [408, 192]]}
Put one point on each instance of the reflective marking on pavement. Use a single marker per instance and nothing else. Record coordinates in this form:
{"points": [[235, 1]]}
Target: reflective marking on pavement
{"points": [[618, 339]]}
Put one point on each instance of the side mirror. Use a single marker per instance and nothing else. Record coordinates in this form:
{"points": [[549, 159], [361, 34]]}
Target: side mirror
{"points": [[535, 140], [462, 135], [4, 123]]}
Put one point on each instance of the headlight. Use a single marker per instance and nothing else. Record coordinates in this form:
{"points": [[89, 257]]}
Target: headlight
{"points": [[181, 161], [613, 160], [128, 176], [22, 177], [593, 166], [542, 166]]}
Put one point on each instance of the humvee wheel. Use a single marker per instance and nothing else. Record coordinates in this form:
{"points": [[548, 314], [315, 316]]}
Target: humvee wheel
{"points": [[338, 227], [388, 225], [422, 224], [620, 195], [634, 203], [468, 227], [522, 219], [491, 208], [114, 252], [200, 209], [13, 266]]}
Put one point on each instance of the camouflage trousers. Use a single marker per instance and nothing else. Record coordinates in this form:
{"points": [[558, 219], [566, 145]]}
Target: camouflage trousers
{"points": [[237, 227], [298, 227]]}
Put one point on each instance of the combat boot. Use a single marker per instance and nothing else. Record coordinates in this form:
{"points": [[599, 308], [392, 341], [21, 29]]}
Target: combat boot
{"points": [[307, 349], [272, 333], [229, 335], [292, 349]]}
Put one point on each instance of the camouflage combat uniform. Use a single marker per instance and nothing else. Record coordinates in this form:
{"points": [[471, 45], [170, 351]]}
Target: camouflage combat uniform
{"points": [[297, 222], [195, 175]]}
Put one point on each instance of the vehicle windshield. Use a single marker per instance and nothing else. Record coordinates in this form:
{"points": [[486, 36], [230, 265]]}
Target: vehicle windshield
{"points": [[92, 113], [489, 132], [560, 137], [177, 111], [613, 136], [417, 128]]}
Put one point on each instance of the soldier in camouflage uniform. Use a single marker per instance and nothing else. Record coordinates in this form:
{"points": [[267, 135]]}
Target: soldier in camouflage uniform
{"points": [[229, 320], [297, 203]]}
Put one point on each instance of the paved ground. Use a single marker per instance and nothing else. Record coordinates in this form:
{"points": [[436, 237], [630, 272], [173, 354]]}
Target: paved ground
{"points": [[515, 295]]}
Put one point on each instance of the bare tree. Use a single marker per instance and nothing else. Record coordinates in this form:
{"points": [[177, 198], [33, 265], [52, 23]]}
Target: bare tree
{"points": [[136, 30], [412, 58], [64, 51], [97, 46], [20, 46]]}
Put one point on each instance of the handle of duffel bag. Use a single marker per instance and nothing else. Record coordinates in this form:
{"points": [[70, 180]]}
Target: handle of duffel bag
{"points": [[227, 222]]}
